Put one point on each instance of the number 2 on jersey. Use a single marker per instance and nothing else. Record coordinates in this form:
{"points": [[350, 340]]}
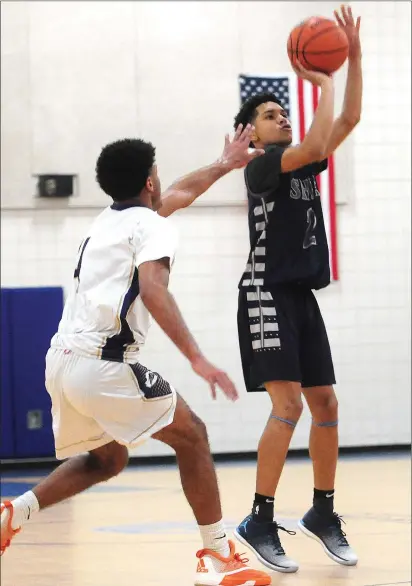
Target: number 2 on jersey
{"points": [[79, 264], [310, 238]]}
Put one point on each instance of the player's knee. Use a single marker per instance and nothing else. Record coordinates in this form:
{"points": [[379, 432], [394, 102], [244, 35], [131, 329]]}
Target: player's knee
{"points": [[193, 434], [113, 465], [325, 408], [289, 409], [109, 461], [198, 430]]}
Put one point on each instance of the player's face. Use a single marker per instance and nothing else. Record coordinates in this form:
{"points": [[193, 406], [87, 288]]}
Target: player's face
{"points": [[155, 188], [272, 125]]}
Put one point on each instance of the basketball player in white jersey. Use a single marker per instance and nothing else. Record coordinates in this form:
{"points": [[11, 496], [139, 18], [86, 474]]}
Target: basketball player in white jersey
{"points": [[104, 400]]}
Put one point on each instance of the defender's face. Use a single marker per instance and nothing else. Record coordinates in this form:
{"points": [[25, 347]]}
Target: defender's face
{"points": [[272, 126]]}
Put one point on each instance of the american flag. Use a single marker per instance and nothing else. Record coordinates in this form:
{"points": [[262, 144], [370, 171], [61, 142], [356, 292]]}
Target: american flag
{"points": [[300, 100]]}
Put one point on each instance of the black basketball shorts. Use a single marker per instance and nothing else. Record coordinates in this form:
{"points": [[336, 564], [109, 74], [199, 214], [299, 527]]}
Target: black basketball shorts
{"points": [[282, 337]]}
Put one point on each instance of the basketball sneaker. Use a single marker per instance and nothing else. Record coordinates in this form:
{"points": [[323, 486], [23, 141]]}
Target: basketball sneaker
{"points": [[327, 530], [7, 532], [263, 539], [215, 570]]}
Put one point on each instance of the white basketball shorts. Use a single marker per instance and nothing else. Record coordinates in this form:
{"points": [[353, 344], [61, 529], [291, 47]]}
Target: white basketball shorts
{"points": [[95, 402]]}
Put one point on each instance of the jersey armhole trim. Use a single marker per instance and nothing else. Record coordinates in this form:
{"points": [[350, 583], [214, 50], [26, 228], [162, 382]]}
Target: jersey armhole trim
{"points": [[254, 195]]}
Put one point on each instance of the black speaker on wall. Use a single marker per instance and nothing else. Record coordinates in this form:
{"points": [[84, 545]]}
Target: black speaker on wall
{"points": [[55, 185]]}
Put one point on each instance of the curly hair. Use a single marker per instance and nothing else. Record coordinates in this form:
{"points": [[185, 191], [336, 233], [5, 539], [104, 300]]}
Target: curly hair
{"points": [[247, 113], [123, 167]]}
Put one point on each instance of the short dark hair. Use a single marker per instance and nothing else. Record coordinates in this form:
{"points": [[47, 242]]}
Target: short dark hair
{"points": [[123, 167], [247, 113]]}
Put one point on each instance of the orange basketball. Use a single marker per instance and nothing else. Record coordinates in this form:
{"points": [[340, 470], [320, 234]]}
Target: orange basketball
{"points": [[319, 44]]}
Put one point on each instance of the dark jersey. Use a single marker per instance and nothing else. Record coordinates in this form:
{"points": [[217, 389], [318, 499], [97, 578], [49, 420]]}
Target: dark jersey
{"points": [[286, 227]]}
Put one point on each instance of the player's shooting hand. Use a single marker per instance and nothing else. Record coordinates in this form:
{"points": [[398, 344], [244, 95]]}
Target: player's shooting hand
{"points": [[315, 77], [351, 29], [215, 377], [237, 153]]}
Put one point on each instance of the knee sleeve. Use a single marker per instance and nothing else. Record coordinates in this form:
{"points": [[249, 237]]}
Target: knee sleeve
{"points": [[287, 421], [325, 423]]}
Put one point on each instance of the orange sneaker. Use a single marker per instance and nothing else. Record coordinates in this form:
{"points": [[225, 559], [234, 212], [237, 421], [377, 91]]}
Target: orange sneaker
{"points": [[215, 570], [7, 531]]}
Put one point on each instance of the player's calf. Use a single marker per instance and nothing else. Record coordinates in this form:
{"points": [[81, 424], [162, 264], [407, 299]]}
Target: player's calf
{"points": [[81, 472], [321, 523], [218, 564], [187, 436], [72, 477]]}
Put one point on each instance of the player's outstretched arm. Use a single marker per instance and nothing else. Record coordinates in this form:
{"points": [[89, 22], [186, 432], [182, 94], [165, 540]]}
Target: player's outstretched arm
{"points": [[236, 154], [154, 293], [352, 104], [313, 146]]}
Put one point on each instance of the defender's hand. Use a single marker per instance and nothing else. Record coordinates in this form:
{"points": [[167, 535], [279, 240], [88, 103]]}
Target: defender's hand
{"points": [[215, 376], [237, 153]]}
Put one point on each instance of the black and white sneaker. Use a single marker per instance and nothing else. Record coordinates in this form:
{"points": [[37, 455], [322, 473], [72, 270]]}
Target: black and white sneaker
{"points": [[263, 540], [327, 530]]}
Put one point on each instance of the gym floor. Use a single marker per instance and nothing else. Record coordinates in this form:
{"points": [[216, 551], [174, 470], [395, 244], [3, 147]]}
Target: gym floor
{"points": [[138, 529]]}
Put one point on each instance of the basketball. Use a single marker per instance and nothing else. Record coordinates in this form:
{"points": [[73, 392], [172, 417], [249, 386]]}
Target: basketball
{"points": [[319, 44]]}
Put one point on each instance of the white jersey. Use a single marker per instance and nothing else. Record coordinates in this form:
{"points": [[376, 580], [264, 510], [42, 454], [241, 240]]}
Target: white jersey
{"points": [[104, 316]]}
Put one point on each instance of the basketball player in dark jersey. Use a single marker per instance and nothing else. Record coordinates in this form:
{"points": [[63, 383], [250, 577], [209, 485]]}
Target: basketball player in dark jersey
{"points": [[283, 341]]}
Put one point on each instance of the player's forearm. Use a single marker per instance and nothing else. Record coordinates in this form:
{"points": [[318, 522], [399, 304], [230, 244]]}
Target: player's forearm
{"points": [[196, 183], [183, 192], [352, 103], [318, 135], [162, 306], [352, 106]]}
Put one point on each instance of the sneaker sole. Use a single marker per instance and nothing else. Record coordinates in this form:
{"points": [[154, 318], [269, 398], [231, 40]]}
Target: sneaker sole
{"points": [[216, 581], [331, 555], [281, 569]]}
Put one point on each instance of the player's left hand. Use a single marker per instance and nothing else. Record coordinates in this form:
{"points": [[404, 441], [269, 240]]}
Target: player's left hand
{"points": [[347, 23], [215, 377], [237, 153]]}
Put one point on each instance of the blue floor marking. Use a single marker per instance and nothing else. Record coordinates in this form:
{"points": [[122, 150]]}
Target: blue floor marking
{"points": [[115, 489], [14, 488], [172, 527], [151, 528]]}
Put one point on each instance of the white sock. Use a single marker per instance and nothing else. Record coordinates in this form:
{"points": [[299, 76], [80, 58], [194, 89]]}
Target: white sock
{"points": [[24, 507], [215, 538]]}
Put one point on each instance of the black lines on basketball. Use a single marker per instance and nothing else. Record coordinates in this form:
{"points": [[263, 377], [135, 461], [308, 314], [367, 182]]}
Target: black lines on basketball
{"points": [[310, 65], [298, 39], [317, 35], [290, 45], [306, 62], [328, 52]]}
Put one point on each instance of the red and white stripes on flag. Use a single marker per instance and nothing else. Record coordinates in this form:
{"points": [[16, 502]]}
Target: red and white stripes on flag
{"points": [[300, 100]]}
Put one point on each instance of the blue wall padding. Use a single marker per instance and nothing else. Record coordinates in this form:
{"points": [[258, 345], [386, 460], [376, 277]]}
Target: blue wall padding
{"points": [[6, 390], [34, 315]]}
